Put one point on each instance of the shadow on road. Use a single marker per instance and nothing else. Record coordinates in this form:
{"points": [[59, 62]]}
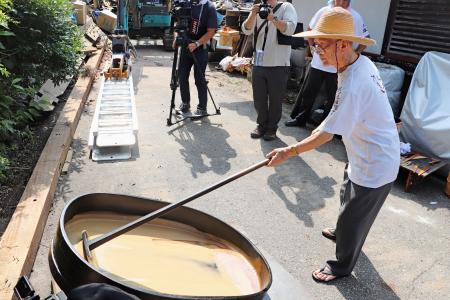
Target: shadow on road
{"points": [[300, 188], [429, 193], [204, 146], [79, 148], [364, 283]]}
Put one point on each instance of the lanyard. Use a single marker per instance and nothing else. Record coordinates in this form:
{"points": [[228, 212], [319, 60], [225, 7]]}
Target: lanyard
{"points": [[200, 15], [265, 37]]}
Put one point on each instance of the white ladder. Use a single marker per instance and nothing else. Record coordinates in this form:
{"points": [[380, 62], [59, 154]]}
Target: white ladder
{"points": [[114, 127]]}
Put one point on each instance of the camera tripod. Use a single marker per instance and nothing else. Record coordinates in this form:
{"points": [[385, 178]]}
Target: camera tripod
{"points": [[183, 41]]}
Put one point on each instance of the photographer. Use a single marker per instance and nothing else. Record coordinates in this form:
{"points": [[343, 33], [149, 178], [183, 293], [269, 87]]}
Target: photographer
{"points": [[271, 62], [202, 27]]}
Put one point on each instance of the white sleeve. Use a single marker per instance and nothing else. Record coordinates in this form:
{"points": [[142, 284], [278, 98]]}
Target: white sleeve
{"points": [[360, 27], [366, 32], [344, 114], [248, 31], [290, 17]]}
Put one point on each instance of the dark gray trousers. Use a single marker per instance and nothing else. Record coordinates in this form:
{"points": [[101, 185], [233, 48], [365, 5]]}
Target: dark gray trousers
{"points": [[359, 208], [269, 88], [309, 91], [184, 69]]}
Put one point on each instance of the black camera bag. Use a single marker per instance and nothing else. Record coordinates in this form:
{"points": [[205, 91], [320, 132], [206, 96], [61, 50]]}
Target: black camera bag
{"points": [[292, 41]]}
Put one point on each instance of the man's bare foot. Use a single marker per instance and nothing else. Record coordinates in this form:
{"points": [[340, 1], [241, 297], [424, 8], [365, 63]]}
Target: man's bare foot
{"points": [[324, 275]]}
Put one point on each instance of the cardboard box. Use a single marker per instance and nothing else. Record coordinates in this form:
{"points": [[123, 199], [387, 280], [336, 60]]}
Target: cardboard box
{"points": [[228, 37], [107, 21], [80, 8]]}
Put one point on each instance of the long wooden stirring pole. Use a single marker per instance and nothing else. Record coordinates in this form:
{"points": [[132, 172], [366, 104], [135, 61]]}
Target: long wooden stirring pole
{"points": [[89, 245]]}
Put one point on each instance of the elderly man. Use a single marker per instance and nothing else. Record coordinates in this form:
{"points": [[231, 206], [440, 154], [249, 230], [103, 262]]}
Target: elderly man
{"points": [[361, 114], [320, 73]]}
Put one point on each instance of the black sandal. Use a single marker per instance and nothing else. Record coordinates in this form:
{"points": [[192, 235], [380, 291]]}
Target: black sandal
{"points": [[329, 233], [325, 270]]}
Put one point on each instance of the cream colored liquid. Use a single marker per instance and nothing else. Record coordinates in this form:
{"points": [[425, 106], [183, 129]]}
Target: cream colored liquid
{"points": [[167, 257]]}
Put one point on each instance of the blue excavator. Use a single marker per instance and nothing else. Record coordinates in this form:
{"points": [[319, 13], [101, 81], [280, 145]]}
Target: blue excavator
{"points": [[145, 18], [138, 18], [151, 18]]}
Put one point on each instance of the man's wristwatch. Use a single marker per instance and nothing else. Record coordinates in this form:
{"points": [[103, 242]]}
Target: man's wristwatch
{"points": [[197, 44]]}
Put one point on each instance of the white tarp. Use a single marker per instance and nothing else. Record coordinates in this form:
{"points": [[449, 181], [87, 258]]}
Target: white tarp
{"points": [[392, 77], [426, 113]]}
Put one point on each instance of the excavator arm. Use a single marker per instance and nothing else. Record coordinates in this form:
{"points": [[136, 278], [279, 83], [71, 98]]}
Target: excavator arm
{"points": [[120, 65], [122, 16]]}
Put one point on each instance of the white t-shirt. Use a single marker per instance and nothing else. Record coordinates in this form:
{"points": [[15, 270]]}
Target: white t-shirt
{"points": [[358, 25], [363, 116]]}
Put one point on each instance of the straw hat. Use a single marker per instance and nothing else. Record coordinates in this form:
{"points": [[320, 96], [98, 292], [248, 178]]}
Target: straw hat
{"points": [[336, 23]]}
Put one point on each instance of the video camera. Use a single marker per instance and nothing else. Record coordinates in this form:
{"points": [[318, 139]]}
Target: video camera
{"points": [[181, 11]]}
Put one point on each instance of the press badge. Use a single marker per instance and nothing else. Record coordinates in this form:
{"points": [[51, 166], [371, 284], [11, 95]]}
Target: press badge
{"points": [[259, 57]]}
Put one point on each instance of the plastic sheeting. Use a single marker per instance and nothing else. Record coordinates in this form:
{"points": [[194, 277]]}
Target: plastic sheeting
{"points": [[393, 77], [426, 112]]}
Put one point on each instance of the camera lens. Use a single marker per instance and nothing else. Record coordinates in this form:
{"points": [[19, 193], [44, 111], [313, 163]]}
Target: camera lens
{"points": [[263, 12]]}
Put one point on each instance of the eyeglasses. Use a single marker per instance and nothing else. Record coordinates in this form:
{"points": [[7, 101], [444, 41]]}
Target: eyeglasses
{"points": [[319, 49]]}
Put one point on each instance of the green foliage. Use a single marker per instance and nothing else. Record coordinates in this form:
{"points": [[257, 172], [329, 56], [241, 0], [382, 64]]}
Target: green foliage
{"points": [[5, 7], [38, 41], [4, 166], [14, 112], [5, 101], [47, 44]]}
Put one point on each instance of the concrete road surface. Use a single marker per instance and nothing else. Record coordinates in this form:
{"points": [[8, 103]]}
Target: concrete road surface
{"points": [[282, 210]]}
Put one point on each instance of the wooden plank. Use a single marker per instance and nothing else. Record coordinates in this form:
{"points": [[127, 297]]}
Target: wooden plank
{"points": [[95, 34], [419, 166], [88, 48], [20, 241], [67, 162]]}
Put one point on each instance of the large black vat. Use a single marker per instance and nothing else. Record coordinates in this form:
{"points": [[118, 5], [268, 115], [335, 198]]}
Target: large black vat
{"points": [[71, 270]]}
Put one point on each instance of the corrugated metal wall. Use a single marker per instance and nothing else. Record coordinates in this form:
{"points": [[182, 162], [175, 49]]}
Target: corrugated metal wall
{"points": [[415, 27]]}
